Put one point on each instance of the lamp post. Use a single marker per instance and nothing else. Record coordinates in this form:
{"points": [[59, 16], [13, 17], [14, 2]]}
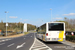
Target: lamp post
{"points": [[51, 14], [6, 22]]}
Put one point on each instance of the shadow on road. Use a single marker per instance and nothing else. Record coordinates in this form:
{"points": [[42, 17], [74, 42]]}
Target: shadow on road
{"points": [[53, 42]]}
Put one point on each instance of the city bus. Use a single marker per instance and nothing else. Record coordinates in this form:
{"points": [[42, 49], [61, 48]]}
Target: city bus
{"points": [[52, 31]]}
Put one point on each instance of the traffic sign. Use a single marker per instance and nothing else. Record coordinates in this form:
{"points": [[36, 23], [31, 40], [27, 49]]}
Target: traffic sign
{"points": [[6, 24]]}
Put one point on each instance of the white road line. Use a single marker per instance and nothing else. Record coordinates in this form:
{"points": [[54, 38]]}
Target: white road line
{"points": [[19, 46], [46, 45], [7, 39], [2, 43], [10, 45], [33, 43], [3, 40], [39, 46], [43, 46]]}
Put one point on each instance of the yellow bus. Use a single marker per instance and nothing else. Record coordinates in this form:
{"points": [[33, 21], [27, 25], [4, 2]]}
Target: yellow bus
{"points": [[52, 31]]}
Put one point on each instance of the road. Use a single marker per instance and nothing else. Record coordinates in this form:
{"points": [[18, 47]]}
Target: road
{"points": [[26, 42], [20, 43], [59, 45]]}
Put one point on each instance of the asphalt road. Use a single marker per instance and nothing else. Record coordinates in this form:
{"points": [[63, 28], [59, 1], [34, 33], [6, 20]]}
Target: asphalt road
{"points": [[20, 43], [57, 45], [26, 41]]}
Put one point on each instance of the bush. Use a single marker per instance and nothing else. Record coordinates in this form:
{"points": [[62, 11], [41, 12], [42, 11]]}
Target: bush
{"points": [[70, 38], [26, 33], [14, 33], [3, 35]]}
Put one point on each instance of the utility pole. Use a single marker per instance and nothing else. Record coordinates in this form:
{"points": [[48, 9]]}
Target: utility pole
{"points": [[20, 25], [6, 22]]}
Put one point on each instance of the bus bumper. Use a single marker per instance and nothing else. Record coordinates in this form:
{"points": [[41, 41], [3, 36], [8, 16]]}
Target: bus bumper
{"points": [[54, 39]]}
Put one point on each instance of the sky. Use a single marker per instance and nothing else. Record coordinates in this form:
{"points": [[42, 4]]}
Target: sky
{"points": [[36, 12]]}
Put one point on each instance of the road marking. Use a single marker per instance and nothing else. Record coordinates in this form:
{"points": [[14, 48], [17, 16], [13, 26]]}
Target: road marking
{"points": [[2, 43], [31, 36], [7, 39], [19, 46], [10, 45], [32, 44], [3, 40], [40, 45]]}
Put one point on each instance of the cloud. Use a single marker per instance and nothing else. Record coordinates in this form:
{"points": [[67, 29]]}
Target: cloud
{"points": [[12, 16], [70, 14], [57, 18]]}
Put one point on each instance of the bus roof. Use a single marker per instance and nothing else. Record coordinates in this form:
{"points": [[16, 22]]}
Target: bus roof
{"points": [[55, 22], [51, 22]]}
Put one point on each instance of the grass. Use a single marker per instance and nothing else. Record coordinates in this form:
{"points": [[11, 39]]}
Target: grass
{"points": [[26, 33]]}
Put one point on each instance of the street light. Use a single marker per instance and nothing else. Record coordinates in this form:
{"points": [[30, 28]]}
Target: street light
{"points": [[51, 14], [6, 22]]}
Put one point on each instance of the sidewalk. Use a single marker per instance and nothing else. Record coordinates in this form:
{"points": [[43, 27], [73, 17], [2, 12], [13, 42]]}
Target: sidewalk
{"points": [[12, 36], [69, 43]]}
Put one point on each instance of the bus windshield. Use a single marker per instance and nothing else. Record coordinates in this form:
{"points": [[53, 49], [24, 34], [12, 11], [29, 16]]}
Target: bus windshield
{"points": [[55, 26]]}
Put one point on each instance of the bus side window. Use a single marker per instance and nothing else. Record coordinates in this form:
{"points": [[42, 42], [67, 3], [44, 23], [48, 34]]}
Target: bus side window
{"points": [[38, 32], [43, 32]]}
